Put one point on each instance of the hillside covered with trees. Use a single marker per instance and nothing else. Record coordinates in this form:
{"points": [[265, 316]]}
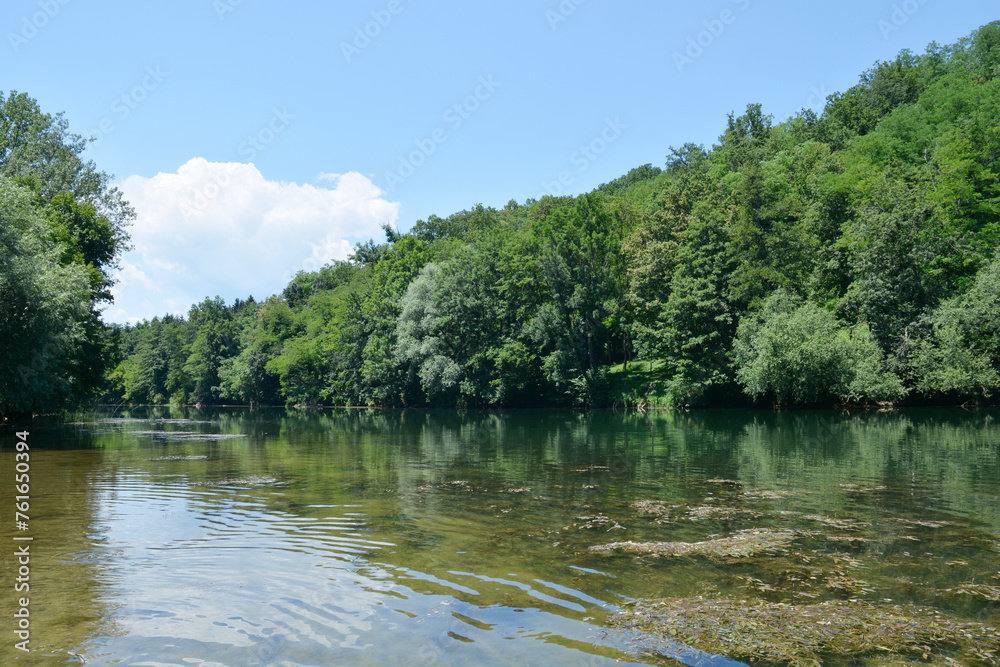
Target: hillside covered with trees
{"points": [[842, 257]]}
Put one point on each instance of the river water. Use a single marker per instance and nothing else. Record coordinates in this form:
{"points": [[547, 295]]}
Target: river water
{"points": [[363, 537]]}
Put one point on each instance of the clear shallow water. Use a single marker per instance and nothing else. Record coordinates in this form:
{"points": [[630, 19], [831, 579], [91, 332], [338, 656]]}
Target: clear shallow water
{"points": [[183, 537]]}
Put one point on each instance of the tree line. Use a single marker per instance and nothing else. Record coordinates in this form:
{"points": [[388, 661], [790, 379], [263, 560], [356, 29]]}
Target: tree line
{"points": [[841, 257]]}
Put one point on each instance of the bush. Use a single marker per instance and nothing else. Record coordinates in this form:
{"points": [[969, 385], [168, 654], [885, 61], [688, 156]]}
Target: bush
{"points": [[798, 353], [960, 352]]}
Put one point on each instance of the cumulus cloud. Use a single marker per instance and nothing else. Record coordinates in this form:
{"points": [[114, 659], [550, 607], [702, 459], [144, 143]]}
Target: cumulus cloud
{"points": [[222, 229]]}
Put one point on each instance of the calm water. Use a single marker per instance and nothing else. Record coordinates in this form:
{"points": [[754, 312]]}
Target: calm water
{"points": [[183, 537]]}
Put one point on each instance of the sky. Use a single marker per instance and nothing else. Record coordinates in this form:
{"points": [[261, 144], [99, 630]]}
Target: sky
{"points": [[256, 139]]}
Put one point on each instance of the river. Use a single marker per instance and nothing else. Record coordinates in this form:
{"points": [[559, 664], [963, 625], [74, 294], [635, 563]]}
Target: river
{"points": [[172, 536]]}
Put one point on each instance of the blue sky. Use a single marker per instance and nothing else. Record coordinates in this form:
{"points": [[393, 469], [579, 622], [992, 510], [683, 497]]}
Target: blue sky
{"points": [[256, 138]]}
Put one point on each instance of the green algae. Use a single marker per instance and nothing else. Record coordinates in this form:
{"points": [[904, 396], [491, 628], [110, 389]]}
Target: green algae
{"points": [[740, 544], [178, 458], [660, 511], [984, 591], [596, 521], [454, 485], [248, 480], [834, 522], [805, 634], [664, 513]]}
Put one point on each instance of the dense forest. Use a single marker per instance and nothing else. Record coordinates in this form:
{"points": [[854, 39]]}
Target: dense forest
{"points": [[847, 257]]}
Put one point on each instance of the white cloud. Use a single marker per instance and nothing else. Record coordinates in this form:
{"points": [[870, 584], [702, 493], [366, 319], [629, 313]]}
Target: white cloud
{"points": [[132, 274], [222, 229]]}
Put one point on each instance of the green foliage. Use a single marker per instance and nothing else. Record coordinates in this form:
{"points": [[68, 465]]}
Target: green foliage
{"points": [[637, 176], [582, 264], [301, 370], [462, 225], [420, 343], [37, 148], [859, 110], [746, 140], [697, 322], [896, 250], [985, 50], [794, 352], [365, 367], [245, 377], [62, 224], [150, 370], [45, 316], [961, 352], [688, 158]]}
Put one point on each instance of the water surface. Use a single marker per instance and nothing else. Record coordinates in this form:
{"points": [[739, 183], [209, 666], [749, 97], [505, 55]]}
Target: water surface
{"points": [[230, 537]]}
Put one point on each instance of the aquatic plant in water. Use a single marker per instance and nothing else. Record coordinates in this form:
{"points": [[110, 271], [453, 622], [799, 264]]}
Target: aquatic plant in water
{"points": [[739, 544], [803, 635]]}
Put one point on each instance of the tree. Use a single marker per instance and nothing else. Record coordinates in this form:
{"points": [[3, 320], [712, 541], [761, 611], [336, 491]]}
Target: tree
{"points": [[745, 141], [44, 311], [696, 321], [302, 370], [857, 111], [365, 368], [583, 267], [214, 343], [821, 259], [795, 352], [420, 345], [646, 172], [246, 377], [39, 148], [986, 50], [84, 221], [689, 157], [960, 353], [894, 245]]}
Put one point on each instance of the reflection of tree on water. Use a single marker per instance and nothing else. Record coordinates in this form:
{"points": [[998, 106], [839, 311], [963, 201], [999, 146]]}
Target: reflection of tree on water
{"points": [[69, 564], [759, 447]]}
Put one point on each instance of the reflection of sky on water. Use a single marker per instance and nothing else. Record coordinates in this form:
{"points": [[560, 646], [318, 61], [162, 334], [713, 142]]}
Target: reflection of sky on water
{"points": [[206, 575]]}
